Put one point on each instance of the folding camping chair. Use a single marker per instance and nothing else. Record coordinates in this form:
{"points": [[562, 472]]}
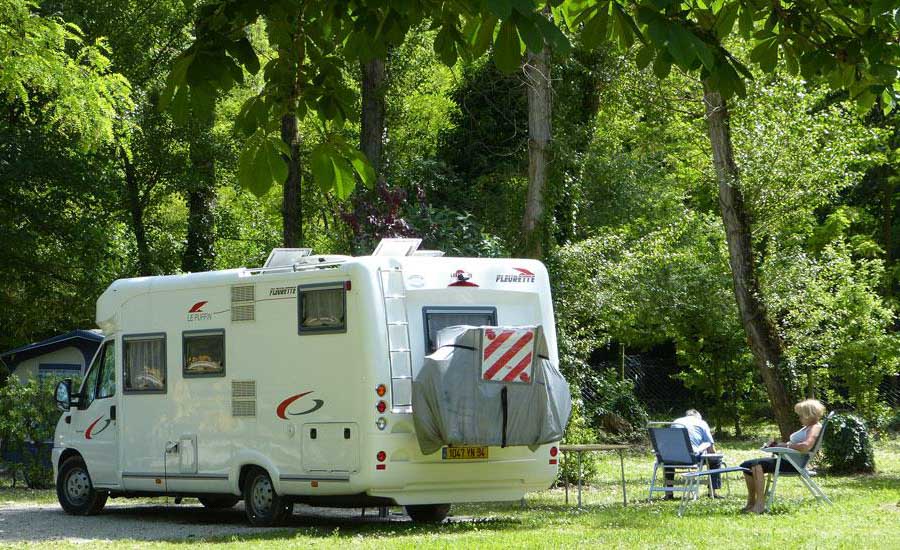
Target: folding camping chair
{"points": [[673, 449], [799, 461]]}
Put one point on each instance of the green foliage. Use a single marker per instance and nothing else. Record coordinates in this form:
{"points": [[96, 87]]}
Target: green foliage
{"points": [[28, 417], [836, 326], [456, 233], [847, 446], [51, 76], [578, 431], [612, 409], [311, 48], [842, 44]]}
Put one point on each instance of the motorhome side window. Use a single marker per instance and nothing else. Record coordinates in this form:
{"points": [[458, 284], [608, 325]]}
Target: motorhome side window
{"points": [[203, 353], [322, 308], [144, 363], [437, 318]]}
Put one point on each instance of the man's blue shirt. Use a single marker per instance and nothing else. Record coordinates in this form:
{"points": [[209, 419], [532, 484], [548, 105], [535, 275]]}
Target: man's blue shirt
{"points": [[698, 430]]}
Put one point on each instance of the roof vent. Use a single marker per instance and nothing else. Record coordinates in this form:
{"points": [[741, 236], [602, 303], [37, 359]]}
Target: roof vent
{"points": [[286, 257], [397, 247]]}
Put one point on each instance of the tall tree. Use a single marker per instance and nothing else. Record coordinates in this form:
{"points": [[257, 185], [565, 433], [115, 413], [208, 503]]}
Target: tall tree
{"points": [[765, 343], [372, 128], [199, 250], [538, 85]]}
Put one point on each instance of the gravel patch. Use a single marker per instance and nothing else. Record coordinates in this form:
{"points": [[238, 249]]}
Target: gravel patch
{"points": [[146, 522]]}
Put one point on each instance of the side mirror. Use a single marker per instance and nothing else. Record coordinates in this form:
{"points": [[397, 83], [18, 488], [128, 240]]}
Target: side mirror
{"points": [[63, 394]]}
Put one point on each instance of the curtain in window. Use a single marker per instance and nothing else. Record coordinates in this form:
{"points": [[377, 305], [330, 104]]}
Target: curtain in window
{"points": [[145, 364], [439, 321], [323, 308]]}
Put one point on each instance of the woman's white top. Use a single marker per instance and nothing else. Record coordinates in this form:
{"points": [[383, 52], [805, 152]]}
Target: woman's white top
{"points": [[800, 435]]}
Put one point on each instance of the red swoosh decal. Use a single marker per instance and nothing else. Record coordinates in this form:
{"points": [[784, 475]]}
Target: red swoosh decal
{"points": [[462, 283], [524, 271], [196, 307], [87, 432], [282, 407]]}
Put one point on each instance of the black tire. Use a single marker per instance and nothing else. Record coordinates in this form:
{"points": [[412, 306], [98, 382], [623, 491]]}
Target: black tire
{"points": [[264, 507], [219, 502], [75, 490], [428, 513]]}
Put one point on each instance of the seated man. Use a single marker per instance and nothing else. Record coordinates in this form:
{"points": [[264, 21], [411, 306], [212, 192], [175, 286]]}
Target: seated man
{"points": [[701, 441]]}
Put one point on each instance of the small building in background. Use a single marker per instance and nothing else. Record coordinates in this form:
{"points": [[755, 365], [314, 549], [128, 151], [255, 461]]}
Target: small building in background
{"points": [[66, 355]]}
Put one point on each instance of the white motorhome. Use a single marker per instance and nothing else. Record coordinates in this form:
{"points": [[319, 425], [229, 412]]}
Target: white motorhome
{"points": [[291, 383]]}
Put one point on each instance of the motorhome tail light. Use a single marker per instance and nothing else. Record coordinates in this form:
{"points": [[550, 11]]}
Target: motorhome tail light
{"points": [[381, 456], [381, 406], [347, 286], [381, 389], [554, 451], [381, 423]]}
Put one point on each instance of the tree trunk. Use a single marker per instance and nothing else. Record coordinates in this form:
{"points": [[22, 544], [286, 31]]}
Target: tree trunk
{"points": [[135, 206], [371, 136], [291, 213], [199, 251], [887, 228], [537, 80], [762, 336]]}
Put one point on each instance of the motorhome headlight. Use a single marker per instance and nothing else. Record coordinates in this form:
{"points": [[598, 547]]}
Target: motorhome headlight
{"points": [[381, 389], [381, 423]]}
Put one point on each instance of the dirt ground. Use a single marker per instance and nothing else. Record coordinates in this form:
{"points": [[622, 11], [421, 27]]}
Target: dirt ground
{"points": [[186, 521]]}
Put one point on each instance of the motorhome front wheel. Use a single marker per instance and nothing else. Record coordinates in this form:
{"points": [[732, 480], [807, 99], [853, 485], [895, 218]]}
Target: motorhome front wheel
{"points": [[75, 491], [218, 502]]}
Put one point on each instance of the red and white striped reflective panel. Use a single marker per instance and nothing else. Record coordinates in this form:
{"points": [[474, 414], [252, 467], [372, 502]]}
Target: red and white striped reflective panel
{"points": [[508, 354]]}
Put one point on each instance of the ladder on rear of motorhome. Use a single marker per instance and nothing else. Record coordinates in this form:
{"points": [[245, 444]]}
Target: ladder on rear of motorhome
{"points": [[393, 292]]}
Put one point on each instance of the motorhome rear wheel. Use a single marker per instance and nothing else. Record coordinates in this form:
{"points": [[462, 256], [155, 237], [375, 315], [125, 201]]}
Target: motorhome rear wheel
{"points": [[264, 507], [428, 513]]}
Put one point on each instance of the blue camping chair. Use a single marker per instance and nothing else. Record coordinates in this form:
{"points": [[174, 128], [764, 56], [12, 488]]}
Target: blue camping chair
{"points": [[673, 449]]}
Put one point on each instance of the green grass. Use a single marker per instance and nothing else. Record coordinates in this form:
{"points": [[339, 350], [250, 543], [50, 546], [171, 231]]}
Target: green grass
{"points": [[866, 514]]}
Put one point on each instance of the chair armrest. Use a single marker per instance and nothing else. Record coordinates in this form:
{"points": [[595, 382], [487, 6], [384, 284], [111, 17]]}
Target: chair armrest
{"points": [[706, 456], [781, 450], [703, 447]]}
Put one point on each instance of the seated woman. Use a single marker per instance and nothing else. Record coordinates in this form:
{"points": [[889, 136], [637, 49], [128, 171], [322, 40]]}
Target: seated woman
{"points": [[810, 412]]}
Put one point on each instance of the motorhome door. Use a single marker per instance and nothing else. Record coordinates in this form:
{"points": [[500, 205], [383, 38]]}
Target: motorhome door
{"points": [[95, 419]]}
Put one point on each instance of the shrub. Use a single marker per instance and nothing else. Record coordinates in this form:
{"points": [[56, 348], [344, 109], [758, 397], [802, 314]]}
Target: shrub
{"points": [[848, 448], [578, 431], [612, 408], [28, 416]]}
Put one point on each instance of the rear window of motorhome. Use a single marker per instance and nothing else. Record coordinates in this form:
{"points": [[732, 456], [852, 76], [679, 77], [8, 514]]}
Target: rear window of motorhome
{"points": [[322, 308], [437, 318], [204, 353], [144, 363]]}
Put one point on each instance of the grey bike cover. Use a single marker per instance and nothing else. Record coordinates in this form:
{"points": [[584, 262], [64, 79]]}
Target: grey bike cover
{"points": [[454, 405]]}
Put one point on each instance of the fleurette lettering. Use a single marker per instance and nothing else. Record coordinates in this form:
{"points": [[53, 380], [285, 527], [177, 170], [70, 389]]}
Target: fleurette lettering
{"points": [[283, 291], [517, 278]]}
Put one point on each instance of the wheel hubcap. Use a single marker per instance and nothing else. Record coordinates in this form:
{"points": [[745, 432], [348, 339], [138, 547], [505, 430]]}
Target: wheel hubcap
{"points": [[78, 486], [263, 495]]}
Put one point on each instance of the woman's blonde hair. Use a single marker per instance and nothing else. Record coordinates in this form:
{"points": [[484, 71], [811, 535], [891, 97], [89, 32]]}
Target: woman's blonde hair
{"points": [[810, 410]]}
